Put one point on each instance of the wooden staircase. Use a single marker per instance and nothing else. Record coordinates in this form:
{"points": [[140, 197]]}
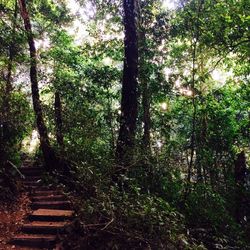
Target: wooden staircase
{"points": [[51, 213]]}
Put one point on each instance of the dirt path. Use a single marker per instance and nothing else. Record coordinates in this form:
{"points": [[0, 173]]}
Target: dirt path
{"points": [[11, 218]]}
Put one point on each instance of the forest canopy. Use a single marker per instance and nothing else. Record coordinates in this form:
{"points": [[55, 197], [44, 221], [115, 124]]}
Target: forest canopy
{"points": [[140, 109]]}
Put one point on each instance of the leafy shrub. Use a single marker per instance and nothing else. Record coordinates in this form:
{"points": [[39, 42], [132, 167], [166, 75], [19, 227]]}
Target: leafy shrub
{"points": [[201, 205], [206, 214]]}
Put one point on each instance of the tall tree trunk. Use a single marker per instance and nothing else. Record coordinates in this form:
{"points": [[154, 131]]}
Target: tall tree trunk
{"points": [[110, 124], [195, 36], [201, 147], [58, 121], [48, 153], [2, 148], [193, 132], [144, 91], [129, 106], [146, 117]]}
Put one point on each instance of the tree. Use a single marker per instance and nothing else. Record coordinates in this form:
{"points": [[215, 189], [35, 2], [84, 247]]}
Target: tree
{"points": [[153, 35], [10, 47], [240, 171], [129, 105], [58, 121], [11, 51], [48, 152]]}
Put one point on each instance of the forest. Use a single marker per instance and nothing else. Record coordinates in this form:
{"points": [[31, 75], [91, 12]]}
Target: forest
{"points": [[133, 117]]}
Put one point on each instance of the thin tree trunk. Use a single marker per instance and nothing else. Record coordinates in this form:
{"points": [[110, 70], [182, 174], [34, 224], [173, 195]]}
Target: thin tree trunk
{"points": [[110, 124], [195, 35], [201, 146], [145, 93], [201, 142], [129, 105], [190, 165], [58, 121], [48, 153], [146, 117], [2, 148]]}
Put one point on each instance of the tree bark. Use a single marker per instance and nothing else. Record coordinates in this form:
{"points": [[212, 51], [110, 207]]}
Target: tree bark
{"points": [[145, 92], [129, 105], [58, 121], [146, 117], [240, 169], [48, 152], [195, 34], [193, 132]]}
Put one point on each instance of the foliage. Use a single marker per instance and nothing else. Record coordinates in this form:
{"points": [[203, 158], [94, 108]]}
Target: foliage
{"points": [[213, 229], [123, 219], [180, 192], [18, 126]]}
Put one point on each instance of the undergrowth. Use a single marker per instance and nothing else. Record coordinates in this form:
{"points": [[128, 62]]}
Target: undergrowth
{"points": [[110, 216]]}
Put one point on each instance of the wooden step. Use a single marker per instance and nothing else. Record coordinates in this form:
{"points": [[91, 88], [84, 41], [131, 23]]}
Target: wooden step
{"points": [[40, 192], [31, 171], [49, 198], [32, 183], [40, 227], [30, 188], [27, 169], [32, 178], [51, 215], [43, 188], [34, 189], [60, 205], [32, 240]]}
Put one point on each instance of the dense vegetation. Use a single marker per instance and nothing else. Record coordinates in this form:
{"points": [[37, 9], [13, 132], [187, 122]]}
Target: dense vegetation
{"points": [[142, 113]]}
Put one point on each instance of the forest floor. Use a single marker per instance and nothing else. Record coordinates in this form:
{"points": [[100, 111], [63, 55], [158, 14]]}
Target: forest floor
{"points": [[12, 216]]}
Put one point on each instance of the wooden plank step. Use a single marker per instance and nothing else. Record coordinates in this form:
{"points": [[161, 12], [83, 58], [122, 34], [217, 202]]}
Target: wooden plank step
{"points": [[44, 188], [33, 189], [32, 178], [27, 165], [51, 215], [31, 171], [49, 198], [32, 240], [39, 192], [30, 188], [40, 227], [28, 248], [32, 183], [28, 169], [60, 205]]}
